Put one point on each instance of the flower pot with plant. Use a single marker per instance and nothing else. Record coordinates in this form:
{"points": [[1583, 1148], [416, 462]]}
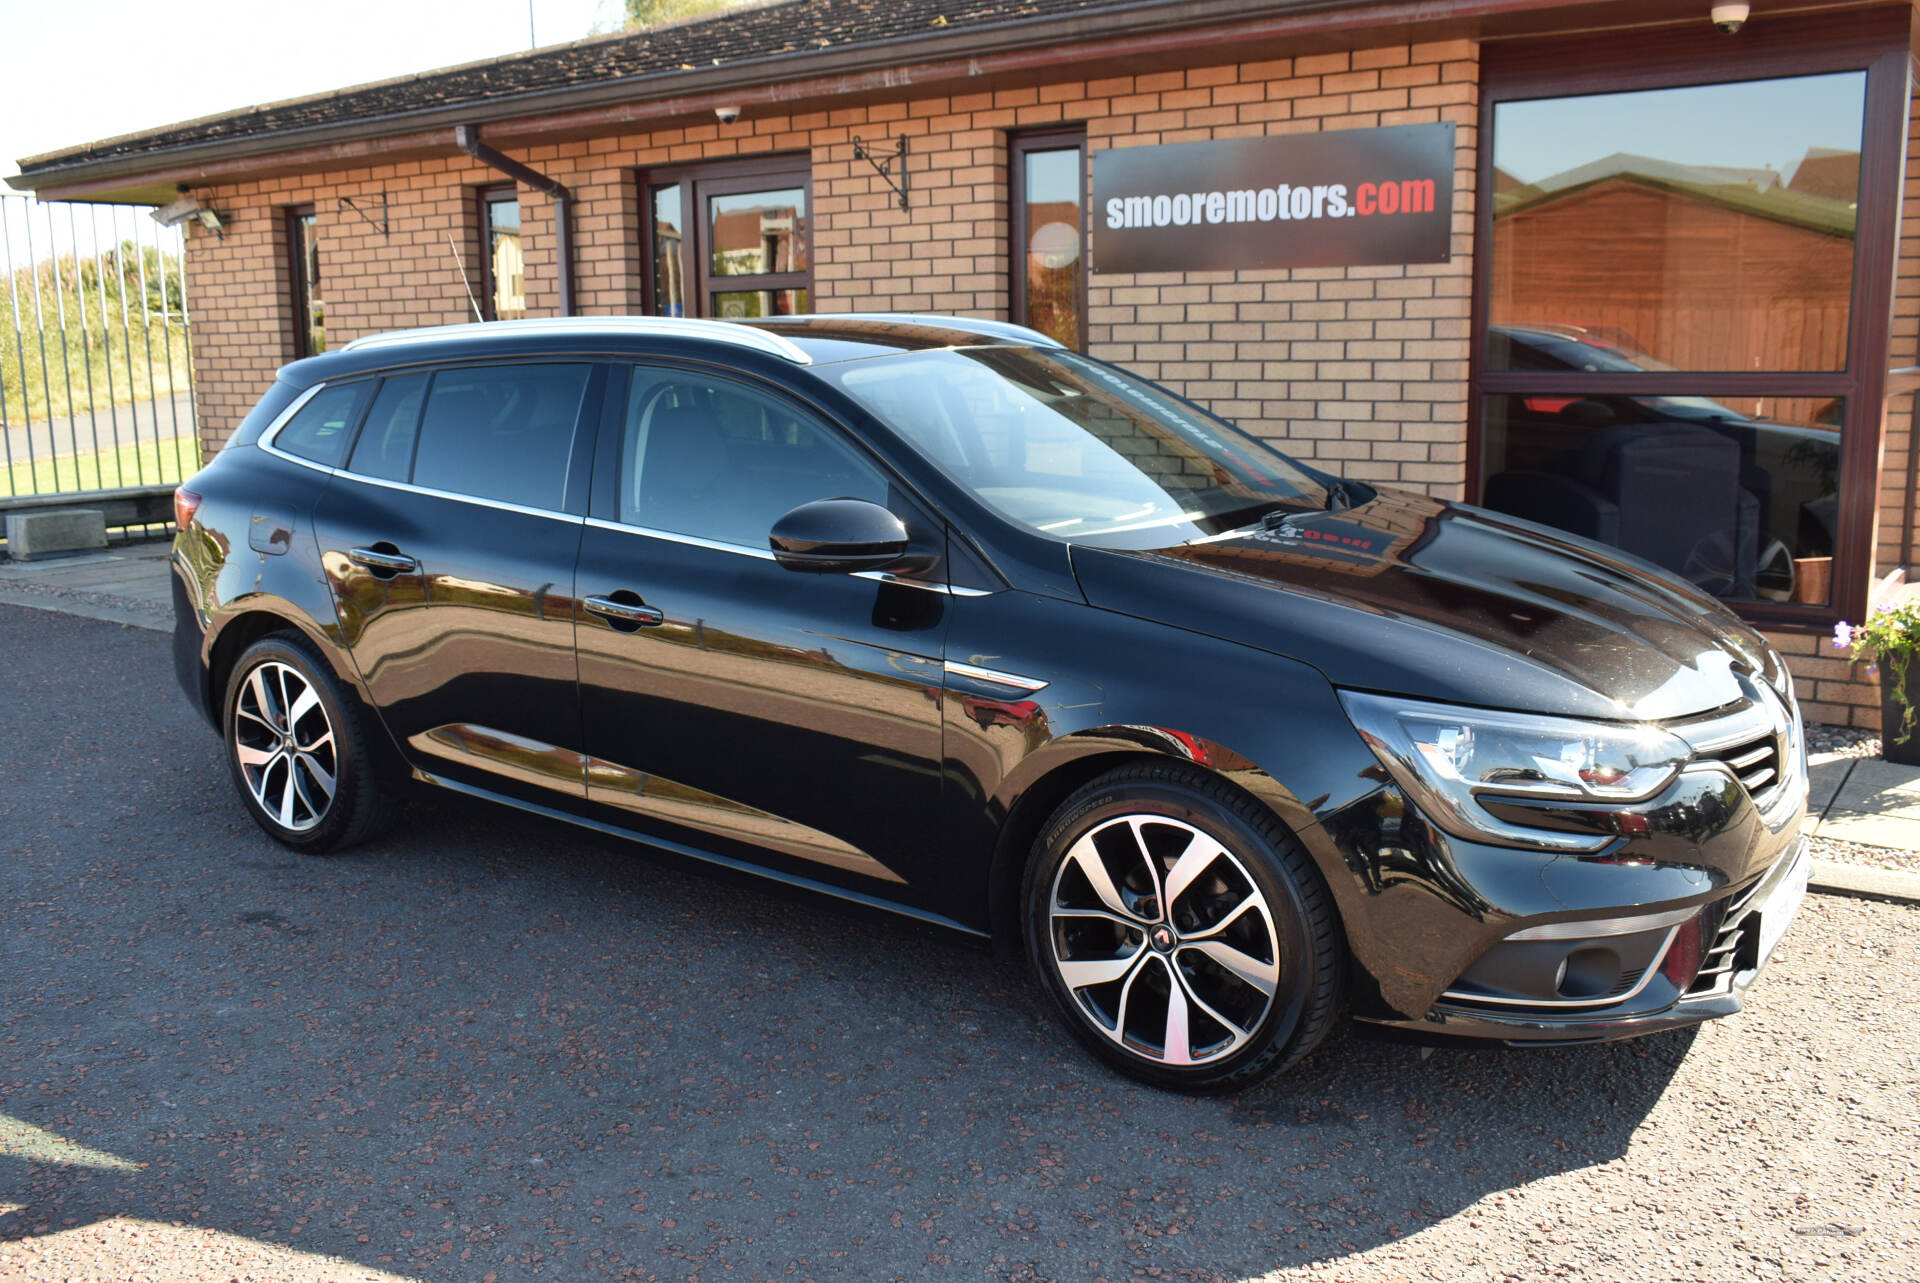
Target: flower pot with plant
{"points": [[1890, 637]]}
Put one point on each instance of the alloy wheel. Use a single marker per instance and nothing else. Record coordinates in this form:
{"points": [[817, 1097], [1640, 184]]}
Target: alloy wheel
{"points": [[285, 746], [1164, 941]]}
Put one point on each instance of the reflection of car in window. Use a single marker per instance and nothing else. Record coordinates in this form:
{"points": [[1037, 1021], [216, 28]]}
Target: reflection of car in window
{"points": [[1728, 500]]}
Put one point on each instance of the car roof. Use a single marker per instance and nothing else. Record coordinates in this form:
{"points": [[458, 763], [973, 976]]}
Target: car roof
{"points": [[796, 340]]}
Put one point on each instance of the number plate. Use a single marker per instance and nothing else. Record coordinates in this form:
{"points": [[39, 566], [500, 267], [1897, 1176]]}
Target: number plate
{"points": [[1780, 907]]}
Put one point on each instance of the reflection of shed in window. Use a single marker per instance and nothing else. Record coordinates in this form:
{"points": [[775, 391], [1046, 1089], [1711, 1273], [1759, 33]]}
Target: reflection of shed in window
{"points": [[506, 284], [509, 275], [1747, 277]]}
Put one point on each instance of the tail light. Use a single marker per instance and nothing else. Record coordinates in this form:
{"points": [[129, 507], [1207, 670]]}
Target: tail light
{"points": [[185, 504]]}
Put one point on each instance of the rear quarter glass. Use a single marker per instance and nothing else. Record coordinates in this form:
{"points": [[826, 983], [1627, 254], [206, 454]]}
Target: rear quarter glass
{"points": [[276, 399]]}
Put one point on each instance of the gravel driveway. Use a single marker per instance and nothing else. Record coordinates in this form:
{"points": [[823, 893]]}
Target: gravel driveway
{"points": [[494, 1048]]}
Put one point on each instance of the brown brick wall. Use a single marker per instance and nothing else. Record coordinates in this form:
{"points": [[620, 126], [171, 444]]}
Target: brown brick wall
{"points": [[1903, 348], [240, 292], [1363, 369], [1831, 689]]}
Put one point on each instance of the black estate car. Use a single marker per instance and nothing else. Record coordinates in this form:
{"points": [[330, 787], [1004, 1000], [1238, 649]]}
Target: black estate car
{"points": [[935, 615]]}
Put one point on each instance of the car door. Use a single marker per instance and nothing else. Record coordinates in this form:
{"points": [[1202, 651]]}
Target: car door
{"points": [[449, 542], [728, 703]]}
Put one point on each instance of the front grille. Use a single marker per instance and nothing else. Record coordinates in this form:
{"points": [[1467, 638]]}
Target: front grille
{"points": [[1756, 763], [1758, 741], [1728, 949]]}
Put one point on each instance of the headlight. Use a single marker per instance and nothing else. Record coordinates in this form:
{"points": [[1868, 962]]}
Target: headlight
{"points": [[1448, 758]]}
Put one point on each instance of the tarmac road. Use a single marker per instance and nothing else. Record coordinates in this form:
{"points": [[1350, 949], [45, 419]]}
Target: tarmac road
{"points": [[164, 418], [489, 1047]]}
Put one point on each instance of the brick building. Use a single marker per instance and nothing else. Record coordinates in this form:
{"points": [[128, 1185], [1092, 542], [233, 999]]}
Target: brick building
{"points": [[1676, 267]]}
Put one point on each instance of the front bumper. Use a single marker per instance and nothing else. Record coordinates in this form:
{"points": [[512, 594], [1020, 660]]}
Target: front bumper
{"points": [[1747, 927]]}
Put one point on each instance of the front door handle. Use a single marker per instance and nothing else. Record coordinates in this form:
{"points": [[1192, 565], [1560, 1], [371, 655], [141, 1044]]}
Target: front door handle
{"points": [[384, 564], [626, 615]]}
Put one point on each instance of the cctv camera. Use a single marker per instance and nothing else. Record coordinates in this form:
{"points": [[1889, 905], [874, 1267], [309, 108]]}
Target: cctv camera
{"points": [[1729, 18], [727, 115]]}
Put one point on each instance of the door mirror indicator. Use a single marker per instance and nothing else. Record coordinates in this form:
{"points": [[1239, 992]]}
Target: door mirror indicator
{"points": [[839, 536]]}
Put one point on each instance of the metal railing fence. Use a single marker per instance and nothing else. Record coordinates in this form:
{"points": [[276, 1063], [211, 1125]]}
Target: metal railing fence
{"points": [[96, 379]]}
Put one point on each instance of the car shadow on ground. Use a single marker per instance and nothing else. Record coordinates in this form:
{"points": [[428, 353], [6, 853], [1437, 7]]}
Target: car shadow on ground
{"points": [[492, 1042]]}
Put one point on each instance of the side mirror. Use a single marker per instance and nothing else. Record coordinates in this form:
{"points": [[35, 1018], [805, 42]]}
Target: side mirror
{"points": [[839, 536]]}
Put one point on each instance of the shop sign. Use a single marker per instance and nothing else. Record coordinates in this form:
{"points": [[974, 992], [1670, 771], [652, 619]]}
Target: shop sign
{"points": [[1344, 198]]}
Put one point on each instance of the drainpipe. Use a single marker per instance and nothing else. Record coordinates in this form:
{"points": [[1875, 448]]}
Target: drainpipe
{"points": [[467, 139]]}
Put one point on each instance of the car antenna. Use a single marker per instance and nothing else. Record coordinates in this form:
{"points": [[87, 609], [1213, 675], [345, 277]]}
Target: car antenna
{"points": [[465, 283]]}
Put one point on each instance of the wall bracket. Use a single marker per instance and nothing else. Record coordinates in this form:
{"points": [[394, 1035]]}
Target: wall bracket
{"points": [[885, 168], [346, 202]]}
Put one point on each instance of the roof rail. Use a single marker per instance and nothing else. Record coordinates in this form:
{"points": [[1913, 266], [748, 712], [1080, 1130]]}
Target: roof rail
{"points": [[663, 326], [965, 324]]}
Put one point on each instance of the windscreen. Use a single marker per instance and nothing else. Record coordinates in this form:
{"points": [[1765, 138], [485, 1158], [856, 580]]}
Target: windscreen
{"points": [[1075, 449]]}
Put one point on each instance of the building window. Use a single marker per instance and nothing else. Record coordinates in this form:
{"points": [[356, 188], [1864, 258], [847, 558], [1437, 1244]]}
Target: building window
{"points": [[303, 277], [1675, 352], [1049, 227], [503, 265], [729, 241]]}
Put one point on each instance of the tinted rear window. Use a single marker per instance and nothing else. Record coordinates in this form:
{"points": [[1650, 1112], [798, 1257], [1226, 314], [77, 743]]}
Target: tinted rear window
{"points": [[501, 432], [320, 430]]}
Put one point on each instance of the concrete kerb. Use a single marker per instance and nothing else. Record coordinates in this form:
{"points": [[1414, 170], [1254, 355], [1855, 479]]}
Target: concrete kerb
{"points": [[39, 586], [1894, 886]]}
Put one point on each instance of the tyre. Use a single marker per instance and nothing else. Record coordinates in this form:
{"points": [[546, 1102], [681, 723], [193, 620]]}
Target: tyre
{"points": [[297, 748], [1183, 933]]}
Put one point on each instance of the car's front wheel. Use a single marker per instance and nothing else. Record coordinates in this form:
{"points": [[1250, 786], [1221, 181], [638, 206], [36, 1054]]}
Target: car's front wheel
{"points": [[296, 748], [1181, 930]]}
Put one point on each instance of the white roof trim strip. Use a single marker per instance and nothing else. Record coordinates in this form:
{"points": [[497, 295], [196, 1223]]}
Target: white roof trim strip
{"points": [[664, 326], [965, 324]]}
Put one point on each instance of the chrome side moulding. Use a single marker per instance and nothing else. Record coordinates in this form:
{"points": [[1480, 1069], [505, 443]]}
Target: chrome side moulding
{"points": [[994, 676], [592, 779]]}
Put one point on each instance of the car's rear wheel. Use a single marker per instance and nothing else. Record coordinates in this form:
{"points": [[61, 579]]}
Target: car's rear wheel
{"points": [[1181, 930], [296, 748]]}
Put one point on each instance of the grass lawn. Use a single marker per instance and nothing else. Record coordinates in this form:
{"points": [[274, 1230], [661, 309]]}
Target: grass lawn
{"points": [[146, 463]]}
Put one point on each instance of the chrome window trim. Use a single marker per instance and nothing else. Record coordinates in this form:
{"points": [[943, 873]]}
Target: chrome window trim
{"points": [[766, 554], [994, 676], [730, 332], [272, 430], [691, 541], [502, 505], [908, 581]]}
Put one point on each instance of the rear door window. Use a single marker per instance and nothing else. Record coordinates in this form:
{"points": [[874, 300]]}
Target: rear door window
{"points": [[502, 432], [385, 447], [319, 431]]}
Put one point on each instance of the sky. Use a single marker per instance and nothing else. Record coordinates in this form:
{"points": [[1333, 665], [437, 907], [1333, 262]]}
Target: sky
{"points": [[1743, 126], [81, 70]]}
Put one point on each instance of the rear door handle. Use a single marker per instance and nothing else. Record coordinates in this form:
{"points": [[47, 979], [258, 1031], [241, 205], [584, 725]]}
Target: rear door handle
{"points": [[626, 615], [383, 563]]}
